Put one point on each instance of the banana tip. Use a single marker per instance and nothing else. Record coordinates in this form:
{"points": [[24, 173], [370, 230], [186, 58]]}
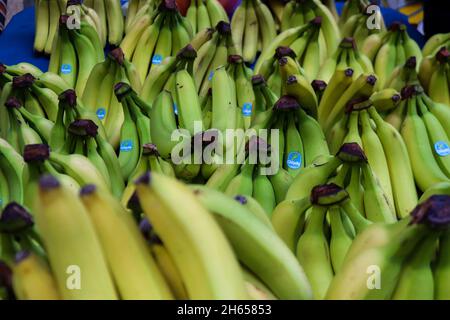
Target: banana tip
{"points": [[48, 182], [145, 179], [88, 190]]}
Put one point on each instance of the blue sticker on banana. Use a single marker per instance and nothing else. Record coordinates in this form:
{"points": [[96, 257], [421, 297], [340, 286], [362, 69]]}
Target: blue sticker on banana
{"points": [[211, 75], [66, 69], [247, 109], [175, 108], [442, 148], [294, 160], [126, 146], [157, 59], [101, 113]]}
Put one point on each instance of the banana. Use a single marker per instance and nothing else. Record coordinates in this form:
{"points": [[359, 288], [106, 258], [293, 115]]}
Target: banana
{"points": [[263, 193], [274, 264], [441, 271], [398, 160], [163, 124], [341, 240], [313, 138], [191, 16], [129, 144], [255, 208], [417, 271], [362, 87], [437, 136], [42, 21], [189, 111], [294, 153], [426, 170], [376, 205], [156, 80], [216, 12], [385, 60], [80, 168], [87, 59], [68, 65], [267, 28], [435, 43], [238, 24], [32, 278], [15, 170], [387, 257], [297, 86], [202, 37], [288, 220], [168, 268], [312, 176], [373, 149], [439, 86], [200, 256], [313, 251], [137, 276], [53, 17], [115, 21], [133, 36], [338, 84], [65, 225]]}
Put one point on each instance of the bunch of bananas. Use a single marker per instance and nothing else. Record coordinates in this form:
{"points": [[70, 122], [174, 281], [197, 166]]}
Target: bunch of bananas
{"points": [[47, 13], [413, 244], [434, 75], [311, 49], [157, 33], [305, 50], [205, 14], [136, 7], [357, 26], [384, 150], [99, 97], [253, 28], [403, 75], [352, 8], [332, 239], [75, 53], [298, 13], [389, 50], [435, 43], [111, 20], [346, 56], [344, 87], [212, 54], [424, 126]]}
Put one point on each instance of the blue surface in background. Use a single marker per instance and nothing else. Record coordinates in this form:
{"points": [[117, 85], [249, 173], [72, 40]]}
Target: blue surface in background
{"points": [[16, 42]]}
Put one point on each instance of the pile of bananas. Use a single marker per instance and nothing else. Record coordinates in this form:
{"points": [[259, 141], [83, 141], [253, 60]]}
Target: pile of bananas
{"points": [[320, 172]]}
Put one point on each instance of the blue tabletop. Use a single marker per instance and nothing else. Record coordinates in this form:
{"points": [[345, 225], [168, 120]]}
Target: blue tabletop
{"points": [[16, 42]]}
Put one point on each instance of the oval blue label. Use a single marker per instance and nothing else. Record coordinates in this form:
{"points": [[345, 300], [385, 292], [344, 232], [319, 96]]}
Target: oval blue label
{"points": [[101, 113], [211, 75], [157, 59], [247, 109], [126, 146], [294, 160], [175, 108], [442, 148], [66, 69]]}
